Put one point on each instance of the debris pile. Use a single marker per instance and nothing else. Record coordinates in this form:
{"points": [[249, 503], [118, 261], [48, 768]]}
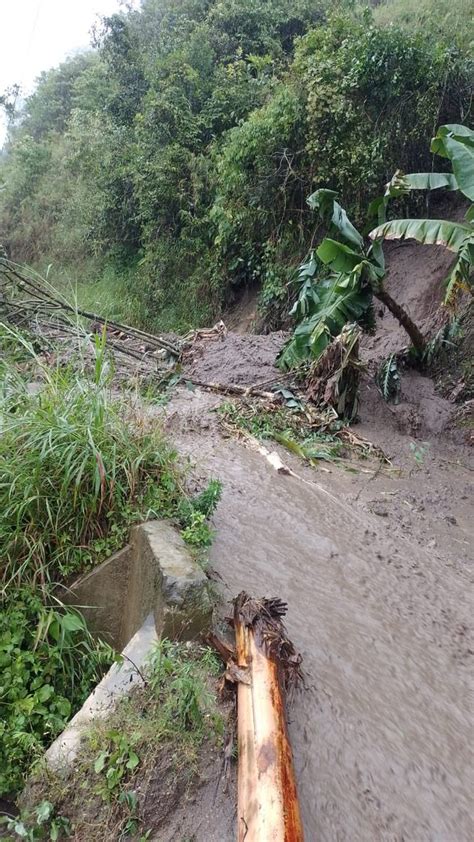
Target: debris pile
{"points": [[28, 302]]}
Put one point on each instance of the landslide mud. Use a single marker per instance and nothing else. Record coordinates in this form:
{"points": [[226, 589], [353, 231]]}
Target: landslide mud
{"points": [[376, 567], [235, 359], [381, 733]]}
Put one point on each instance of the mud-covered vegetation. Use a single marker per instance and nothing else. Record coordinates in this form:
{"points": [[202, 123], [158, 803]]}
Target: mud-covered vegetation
{"points": [[169, 167]]}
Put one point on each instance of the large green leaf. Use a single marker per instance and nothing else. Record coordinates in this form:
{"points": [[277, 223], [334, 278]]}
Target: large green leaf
{"points": [[456, 130], [456, 142], [341, 300], [452, 235], [402, 183], [339, 257], [430, 180], [307, 295], [331, 212]]}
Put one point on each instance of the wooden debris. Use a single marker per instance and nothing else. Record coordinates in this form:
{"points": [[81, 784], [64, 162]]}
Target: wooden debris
{"points": [[230, 389], [217, 331], [333, 380], [26, 299], [268, 808]]}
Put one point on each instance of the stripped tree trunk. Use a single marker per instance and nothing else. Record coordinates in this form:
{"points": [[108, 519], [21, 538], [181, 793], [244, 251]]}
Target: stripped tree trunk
{"points": [[403, 319], [268, 809]]}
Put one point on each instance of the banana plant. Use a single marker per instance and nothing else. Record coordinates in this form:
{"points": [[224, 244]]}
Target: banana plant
{"points": [[337, 286], [455, 142]]}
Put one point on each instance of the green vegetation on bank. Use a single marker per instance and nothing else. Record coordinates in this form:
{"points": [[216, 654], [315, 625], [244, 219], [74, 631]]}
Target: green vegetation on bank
{"points": [[169, 167], [158, 731], [78, 466], [338, 283]]}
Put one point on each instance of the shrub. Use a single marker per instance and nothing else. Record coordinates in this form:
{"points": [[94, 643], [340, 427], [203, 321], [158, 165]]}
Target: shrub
{"points": [[77, 467], [48, 663]]}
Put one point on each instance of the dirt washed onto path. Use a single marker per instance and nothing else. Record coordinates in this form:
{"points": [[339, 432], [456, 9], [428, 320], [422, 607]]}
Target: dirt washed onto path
{"points": [[235, 359], [382, 733], [376, 567]]}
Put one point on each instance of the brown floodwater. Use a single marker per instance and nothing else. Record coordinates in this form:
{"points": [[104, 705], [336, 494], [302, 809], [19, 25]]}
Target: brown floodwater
{"points": [[382, 734]]}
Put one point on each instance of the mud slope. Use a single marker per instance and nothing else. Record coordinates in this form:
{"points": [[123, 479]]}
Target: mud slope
{"points": [[381, 733]]}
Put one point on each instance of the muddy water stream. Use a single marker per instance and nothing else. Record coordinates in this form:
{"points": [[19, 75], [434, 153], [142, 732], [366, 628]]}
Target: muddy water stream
{"points": [[382, 734]]}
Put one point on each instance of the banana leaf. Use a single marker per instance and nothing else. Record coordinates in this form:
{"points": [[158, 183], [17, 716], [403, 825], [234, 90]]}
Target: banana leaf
{"points": [[452, 235]]}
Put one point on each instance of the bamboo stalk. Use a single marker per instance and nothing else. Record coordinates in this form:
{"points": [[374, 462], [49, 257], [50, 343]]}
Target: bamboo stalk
{"points": [[268, 808], [45, 297]]}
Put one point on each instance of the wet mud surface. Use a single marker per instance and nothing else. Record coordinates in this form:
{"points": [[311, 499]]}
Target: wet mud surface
{"points": [[381, 733], [376, 567], [236, 359]]}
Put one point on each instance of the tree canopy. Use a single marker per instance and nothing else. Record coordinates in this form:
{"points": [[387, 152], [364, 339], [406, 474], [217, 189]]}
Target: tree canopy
{"points": [[178, 152]]}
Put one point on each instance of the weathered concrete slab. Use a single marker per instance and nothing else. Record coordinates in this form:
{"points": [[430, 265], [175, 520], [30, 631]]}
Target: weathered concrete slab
{"points": [[119, 681], [102, 596], [151, 588], [155, 573], [183, 607]]}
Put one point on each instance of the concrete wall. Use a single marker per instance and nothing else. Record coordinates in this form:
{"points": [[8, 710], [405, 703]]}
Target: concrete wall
{"points": [[154, 574]]}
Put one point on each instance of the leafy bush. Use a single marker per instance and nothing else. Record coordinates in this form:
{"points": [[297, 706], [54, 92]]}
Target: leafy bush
{"points": [[182, 148], [48, 663], [77, 467], [355, 101], [160, 726], [370, 98]]}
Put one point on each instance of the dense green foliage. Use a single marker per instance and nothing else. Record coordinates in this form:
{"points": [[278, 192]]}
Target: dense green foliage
{"points": [[161, 725], [445, 19], [48, 664], [169, 166], [336, 285]]}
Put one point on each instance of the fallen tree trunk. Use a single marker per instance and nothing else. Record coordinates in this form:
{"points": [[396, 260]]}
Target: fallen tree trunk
{"points": [[268, 808]]}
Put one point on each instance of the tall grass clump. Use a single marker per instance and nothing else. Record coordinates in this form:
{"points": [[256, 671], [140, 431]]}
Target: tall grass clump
{"points": [[76, 468]]}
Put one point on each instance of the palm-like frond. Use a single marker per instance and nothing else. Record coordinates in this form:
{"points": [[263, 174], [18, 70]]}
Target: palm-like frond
{"points": [[452, 235], [456, 142], [341, 299]]}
